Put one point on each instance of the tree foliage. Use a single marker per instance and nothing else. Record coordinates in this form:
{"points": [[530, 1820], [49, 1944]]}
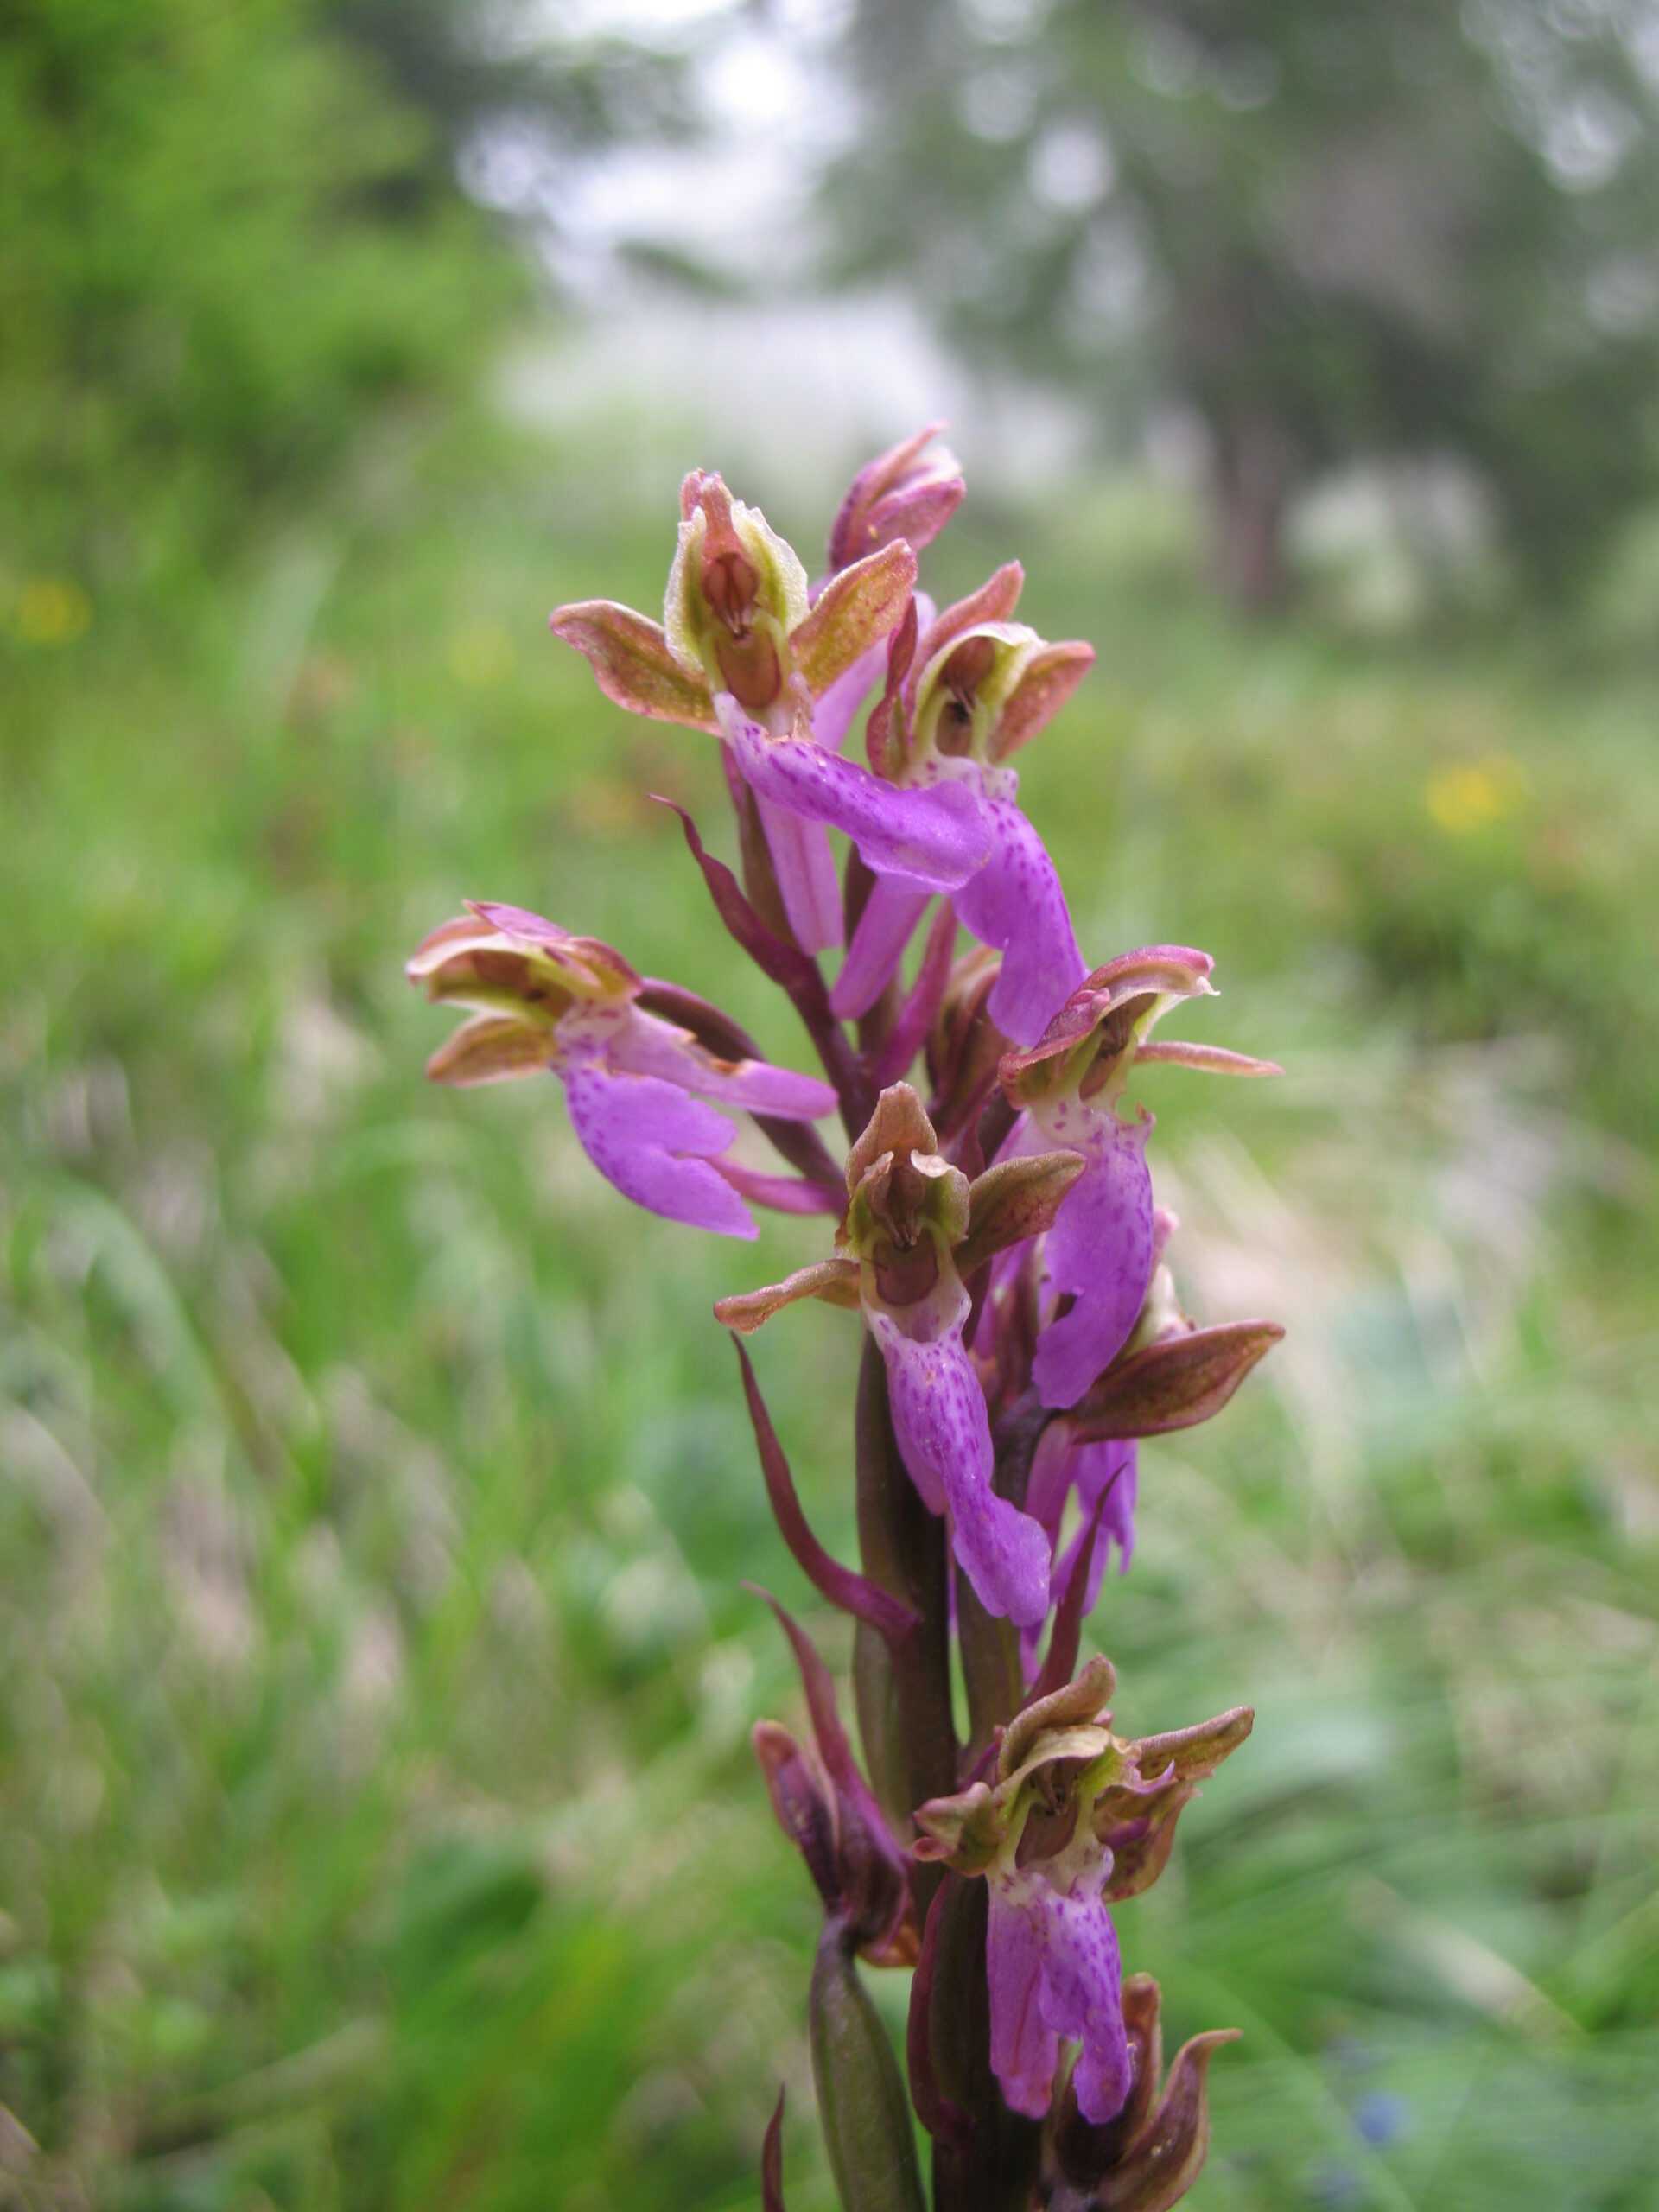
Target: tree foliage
{"points": [[1391, 225], [220, 232]]}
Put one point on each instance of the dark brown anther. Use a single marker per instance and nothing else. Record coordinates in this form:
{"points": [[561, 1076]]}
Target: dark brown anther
{"points": [[729, 581], [961, 677], [728, 585], [967, 667], [747, 654]]}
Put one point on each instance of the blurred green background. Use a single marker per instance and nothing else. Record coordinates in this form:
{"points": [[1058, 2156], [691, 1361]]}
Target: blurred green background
{"points": [[378, 1827]]}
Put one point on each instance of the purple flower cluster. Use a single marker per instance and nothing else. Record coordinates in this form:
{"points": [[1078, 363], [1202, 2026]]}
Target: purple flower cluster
{"points": [[997, 1234]]}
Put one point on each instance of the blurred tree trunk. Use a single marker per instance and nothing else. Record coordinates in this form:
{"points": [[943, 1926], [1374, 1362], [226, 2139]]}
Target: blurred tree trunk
{"points": [[1252, 481]]}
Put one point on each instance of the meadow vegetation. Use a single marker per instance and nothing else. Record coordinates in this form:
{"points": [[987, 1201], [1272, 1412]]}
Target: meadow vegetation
{"points": [[378, 1824]]}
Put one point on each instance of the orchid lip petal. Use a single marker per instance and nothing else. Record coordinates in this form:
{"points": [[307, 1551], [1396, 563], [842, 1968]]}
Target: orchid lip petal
{"points": [[936, 835], [1052, 1962], [1015, 904], [655, 1143], [1025, 2049], [1100, 1251], [944, 1440]]}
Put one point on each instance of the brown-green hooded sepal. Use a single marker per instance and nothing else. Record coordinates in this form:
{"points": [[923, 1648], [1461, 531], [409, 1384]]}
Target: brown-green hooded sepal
{"points": [[1088, 1045], [906, 1209], [1134, 1817], [1058, 1764], [1056, 1749]]}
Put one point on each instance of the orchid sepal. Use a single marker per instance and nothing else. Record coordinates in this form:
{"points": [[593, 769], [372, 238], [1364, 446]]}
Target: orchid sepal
{"points": [[490, 1048], [1207, 1060], [1174, 1383], [1016, 1199], [633, 663], [856, 609], [834, 1281]]}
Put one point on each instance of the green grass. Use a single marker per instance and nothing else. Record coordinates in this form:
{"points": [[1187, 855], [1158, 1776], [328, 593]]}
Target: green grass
{"points": [[379, 1828]]}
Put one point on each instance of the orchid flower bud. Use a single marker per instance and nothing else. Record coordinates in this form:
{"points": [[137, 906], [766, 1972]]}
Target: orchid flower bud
{"points": [[965, 1046], [825, 1807], [907, 492], [1102, 1252]]}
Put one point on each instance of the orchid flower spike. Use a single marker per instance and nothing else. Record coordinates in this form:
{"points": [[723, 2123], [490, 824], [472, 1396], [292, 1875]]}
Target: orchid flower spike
{"points": [[1101, 1251], [545, 1000], [1075, 1819], [914, 1229], [742, 647]]}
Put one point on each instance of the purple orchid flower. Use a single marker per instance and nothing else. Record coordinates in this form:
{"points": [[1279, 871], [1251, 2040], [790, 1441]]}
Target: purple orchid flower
{"points": [[1101, 1251], [1074, 1820], [740, 626], [545, 1000], [1052, 1962], [914, 1227], [957, 705]]}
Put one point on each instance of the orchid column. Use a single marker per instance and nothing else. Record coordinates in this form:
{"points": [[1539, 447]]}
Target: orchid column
{"points": [[997, 1247]]}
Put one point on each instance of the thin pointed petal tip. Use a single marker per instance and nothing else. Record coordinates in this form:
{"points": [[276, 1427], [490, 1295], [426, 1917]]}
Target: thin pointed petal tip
{"points": [[772, 2161]]}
